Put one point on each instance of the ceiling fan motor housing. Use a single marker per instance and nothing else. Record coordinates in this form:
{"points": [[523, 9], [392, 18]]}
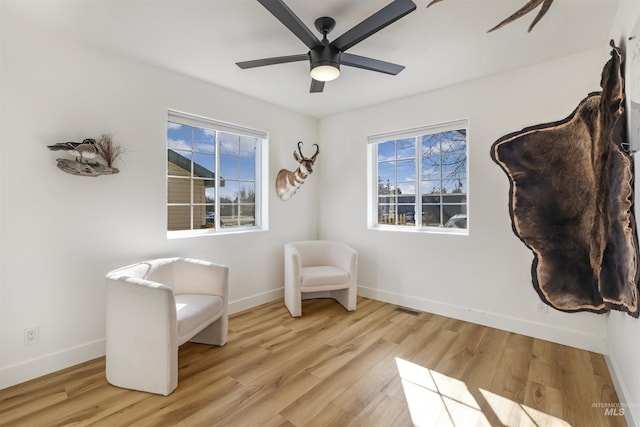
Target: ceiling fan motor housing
{"points": [[324, 55]]}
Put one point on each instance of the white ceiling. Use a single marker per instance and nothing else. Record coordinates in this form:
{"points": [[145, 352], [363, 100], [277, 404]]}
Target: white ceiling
{"points": [[442, 45]]}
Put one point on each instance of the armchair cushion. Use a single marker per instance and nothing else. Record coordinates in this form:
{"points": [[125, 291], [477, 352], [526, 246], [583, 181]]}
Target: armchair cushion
{"points": [[323, 275], [195, 312]]}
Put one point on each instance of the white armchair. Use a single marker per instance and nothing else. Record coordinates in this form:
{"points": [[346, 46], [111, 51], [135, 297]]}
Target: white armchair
{"points": [[155, 306], [319, 269]]}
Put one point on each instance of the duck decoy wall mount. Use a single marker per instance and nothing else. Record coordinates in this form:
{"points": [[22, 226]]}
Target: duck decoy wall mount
{"points": [[91, 157]]}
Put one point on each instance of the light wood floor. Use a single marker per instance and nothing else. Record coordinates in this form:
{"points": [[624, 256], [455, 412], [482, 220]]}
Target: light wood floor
{"points": [[376, 366]]}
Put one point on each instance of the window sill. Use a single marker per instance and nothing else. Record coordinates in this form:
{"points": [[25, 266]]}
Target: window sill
{"points": [[422, 230], [209, 232]]}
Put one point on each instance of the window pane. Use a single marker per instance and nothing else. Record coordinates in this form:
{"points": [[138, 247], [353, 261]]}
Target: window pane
{"points": [[210, 191], [199, 217], [406, 214], [248, 147], [406, 199], [386, 199], [430, 168], [386, 214], [210, 216], [179, 218], [178, 190], [179, 162], [386, 151], [204, 165], [179, 136], [454, 166], [203, 191], [454, 187], [430, 187], [387, 175], [229, 167], [430, 145], [228, 215], [204, 140], [431, 199], [247, 192], [229, 193], [229, 144], [247, 215], [455, 216], [454, 198], [431, 215], [454, 141], [247, 169], [406, 188], [406, 148], [406, 170]]}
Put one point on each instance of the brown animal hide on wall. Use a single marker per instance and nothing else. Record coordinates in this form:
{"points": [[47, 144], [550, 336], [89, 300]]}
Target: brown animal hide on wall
{"points": [[571, 202]]}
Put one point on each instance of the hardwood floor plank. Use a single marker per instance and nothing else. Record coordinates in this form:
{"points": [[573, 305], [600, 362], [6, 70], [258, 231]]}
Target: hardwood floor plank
{"points": [[487, 359], [462, 351], [311, 403], [367, 388], [376, 366], [331, 415], [381, 411]]}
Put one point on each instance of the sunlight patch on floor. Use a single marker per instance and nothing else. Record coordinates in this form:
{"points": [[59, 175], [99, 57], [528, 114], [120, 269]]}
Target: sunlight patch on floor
{"points": [[435, 399], [514, 413]]}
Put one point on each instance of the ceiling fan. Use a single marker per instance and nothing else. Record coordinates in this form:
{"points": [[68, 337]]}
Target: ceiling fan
{"points": [[326, 57]]}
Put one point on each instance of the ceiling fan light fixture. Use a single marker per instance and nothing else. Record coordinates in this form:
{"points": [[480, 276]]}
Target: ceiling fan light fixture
{"points": [[325, 73], [325, 63]]}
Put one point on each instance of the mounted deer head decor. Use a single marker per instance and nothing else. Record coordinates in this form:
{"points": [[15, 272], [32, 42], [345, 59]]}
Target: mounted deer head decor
{"points": [[531, 5], [287, 182]]}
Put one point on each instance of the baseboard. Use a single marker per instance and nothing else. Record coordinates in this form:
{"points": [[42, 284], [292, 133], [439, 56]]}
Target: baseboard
{"points": [[631, 411], [255, 300], [43, 365], [48, 363], [512, 324], [30, 369]]}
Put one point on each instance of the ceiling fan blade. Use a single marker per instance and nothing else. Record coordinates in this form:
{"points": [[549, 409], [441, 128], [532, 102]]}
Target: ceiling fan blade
{"points": [[385, 16], [285, 15], [316, 86], [272, 61], [370, 64]]}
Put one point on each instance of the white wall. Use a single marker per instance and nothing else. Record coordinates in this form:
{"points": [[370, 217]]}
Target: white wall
{"points": [[623, 332], [483, 277], [61, 233]]}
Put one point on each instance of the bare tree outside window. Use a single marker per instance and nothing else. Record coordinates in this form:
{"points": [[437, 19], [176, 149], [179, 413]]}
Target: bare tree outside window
{"points": [[422, 179]]}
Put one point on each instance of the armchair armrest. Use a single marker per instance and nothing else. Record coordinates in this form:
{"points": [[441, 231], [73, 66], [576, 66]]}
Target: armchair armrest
{"points": [[292, 265], [344, 257], [140, 326]]}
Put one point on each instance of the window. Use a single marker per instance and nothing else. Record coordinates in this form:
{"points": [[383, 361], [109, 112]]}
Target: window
{"points": [[419, 179], [214, 177]]}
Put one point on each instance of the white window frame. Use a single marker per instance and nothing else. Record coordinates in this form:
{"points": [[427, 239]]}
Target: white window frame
{"points": [[261, 175], [372, 177]]}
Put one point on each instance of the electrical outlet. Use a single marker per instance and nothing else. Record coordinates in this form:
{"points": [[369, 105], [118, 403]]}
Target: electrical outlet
{"points": [[542, 307], [31, 336]]}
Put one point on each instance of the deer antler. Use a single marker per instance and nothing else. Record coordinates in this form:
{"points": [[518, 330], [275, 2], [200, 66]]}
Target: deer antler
{"points": [[532, 4], [300, 149], [546, 4], [313, 158]]}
